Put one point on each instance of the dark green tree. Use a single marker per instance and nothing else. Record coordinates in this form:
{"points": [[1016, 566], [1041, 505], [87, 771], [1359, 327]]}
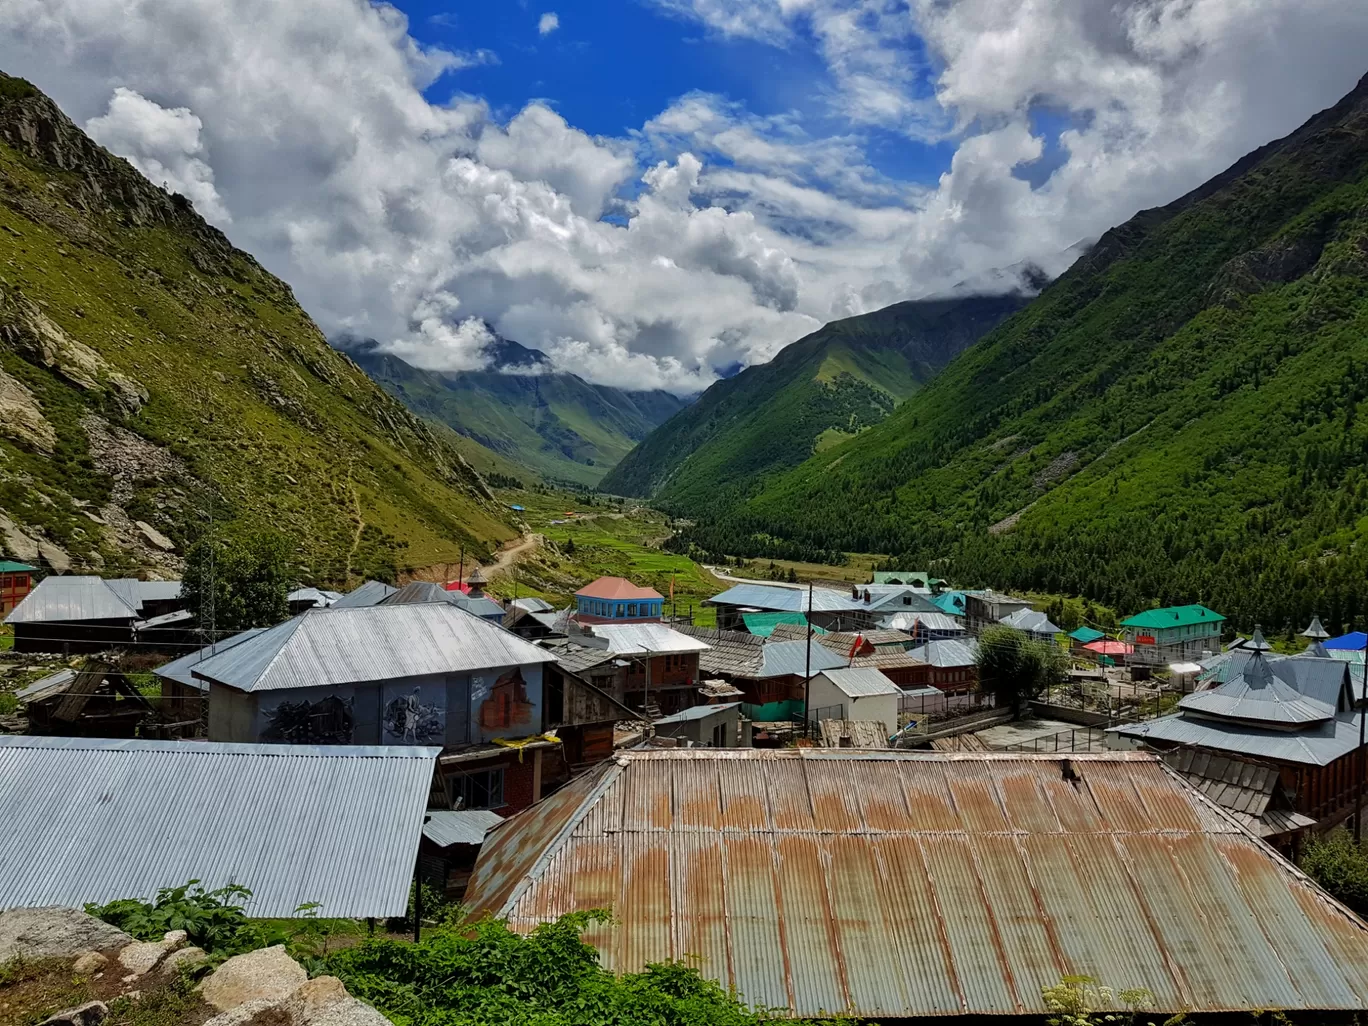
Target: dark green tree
{"points": [[1015, 669], [251, 576], [1340, 866]]}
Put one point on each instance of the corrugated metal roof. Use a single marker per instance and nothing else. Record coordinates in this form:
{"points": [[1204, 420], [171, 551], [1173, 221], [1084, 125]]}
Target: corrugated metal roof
{"points": [[178, 670], [369, 594], [165, 620], [463, 826], [1172, 616], [532, 605], [91, 820], [158, 591], [646, 638], [1318, 745], [318, 597], [418, 591], [1030, 621], [482, 606], [71, 598], [861, 682], [777, 598], [1086, 634], [321, 647], [790, 659], [47, 687], [950, 652], [941, 623], [1256, 694], [697, 712], [889, 884]]}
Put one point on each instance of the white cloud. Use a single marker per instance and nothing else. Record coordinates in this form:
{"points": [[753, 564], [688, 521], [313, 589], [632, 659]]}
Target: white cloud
{"points": [[548, 23], [711, 235], [164, 145]]}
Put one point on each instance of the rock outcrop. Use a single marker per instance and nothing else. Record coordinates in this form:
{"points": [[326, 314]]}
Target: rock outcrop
{"points": [[53, 932], [267, 974]]}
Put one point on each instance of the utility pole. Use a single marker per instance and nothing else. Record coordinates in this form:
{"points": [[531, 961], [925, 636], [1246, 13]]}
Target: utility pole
{"points": [[460, 574], [807, 668], [1362, 764]]}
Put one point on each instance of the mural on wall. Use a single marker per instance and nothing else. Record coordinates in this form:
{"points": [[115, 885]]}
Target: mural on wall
{"points": [[506, 708], [415, 714], [326, 721]]}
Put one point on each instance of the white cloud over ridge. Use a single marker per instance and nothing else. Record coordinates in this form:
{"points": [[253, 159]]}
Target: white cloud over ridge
{"points": [[710, 235]]}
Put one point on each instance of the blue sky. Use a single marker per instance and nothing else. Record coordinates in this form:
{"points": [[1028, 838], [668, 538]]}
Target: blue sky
{"points": [[611, 65]]}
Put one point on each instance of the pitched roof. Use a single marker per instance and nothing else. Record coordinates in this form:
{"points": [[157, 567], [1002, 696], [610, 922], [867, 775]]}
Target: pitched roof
{"points": [[795, 632], [886, 884], [63, 599], [1031, 621], [1353, 640], [941, 623], [646, 638], [948, 653], [178, 670], [1257, 695], [617, 589], [842, 640], [1250, 792], [1172, 616], [9, 566], [1086, 634], [338, 825], [367, 594], [861, 682], [778, 598], [732, 653], [791, 659], [320, 647], [462, 826], [1316, 745], [763, 624], [696, 712]]}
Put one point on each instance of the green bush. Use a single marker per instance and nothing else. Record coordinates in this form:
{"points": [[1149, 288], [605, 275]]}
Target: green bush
{"points": [[213, 920], [486, 974], [1341, 867]]}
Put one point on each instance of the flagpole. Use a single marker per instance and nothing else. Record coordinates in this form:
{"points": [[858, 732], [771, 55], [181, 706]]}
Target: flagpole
{"points": [[807, 669]]}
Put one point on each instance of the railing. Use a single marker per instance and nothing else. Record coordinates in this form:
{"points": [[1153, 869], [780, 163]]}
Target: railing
{"points": [[1079, 739]]}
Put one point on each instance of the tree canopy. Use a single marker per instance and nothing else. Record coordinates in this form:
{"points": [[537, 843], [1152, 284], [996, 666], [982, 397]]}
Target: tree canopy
{"points": [[1014, 668], [251, 580]]}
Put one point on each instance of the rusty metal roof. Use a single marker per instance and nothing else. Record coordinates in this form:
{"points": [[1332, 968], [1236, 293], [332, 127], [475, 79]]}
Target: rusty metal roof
{"points": [[898, 884]]}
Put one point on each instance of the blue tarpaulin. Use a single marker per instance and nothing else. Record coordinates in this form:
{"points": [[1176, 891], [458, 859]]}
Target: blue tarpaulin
{"points": [[1355, 640]]}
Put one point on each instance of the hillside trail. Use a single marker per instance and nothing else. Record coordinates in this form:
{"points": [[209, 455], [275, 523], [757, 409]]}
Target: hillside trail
{"points": [[510, 554]]}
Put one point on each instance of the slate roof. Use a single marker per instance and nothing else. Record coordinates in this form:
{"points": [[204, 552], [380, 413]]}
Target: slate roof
{"points": [[889, 885], [321, 647], [92, 820], [841, 641], [731, 653], [575, 658], [795, 632], [1251, 792]]}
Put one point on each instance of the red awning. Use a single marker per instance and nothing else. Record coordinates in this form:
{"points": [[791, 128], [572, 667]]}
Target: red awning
{"points": [[1107, 646]]}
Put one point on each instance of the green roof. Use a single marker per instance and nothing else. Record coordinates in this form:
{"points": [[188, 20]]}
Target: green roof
{"points": [[1173, 616], [762, 624], [1084, 635], [10, 567]]}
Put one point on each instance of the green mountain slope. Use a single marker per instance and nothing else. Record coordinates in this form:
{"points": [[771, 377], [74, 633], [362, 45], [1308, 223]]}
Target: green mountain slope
{"points": [[821, 389], [1178, 418], [556, 425], [147, 367]]}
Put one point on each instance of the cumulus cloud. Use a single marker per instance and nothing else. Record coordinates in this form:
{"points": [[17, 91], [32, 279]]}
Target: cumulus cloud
{"points": [[548, 23], [711, 235], [164, 145]]}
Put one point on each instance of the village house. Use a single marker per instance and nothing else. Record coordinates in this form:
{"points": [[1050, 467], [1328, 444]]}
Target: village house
{"points": [[450, 845], [1174, 634], [83, 614], [983, 609], [951, 666], [642, 665], [854, 694], [93, 700], [368, 594], [891, 885], [1034, 624], [705, 726], [403, 674], [918, 579], [1295, 715], [334, 825], [858, 609], [924, 627], [771, 674], [16, 581], [534, 619], [617, 600]]}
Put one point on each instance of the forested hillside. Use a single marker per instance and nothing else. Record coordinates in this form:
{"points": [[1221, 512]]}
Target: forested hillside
{"points": [[1178, 418], [556, 425], [818, 391], [150, 372]]}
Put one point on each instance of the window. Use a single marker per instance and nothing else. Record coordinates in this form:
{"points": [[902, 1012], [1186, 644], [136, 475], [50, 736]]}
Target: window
{"points": [[631, 609], [478, 789]]}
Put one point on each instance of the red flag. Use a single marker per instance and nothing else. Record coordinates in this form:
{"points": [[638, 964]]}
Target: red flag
{"points": [[855, 647]]}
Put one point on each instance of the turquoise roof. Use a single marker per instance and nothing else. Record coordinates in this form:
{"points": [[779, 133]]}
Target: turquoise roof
{"points": [[10, 567], [1084, 635], [951, 602], [762, 624], [1173, 616]]}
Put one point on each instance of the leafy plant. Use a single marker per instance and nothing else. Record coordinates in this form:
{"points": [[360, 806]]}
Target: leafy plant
{"points": [[1082, 1001], [252, 577], [212, 920], [1340, 866]]}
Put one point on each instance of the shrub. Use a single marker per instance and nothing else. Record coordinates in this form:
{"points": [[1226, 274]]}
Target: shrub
{"points": [[1341, 867], [213, 920]]}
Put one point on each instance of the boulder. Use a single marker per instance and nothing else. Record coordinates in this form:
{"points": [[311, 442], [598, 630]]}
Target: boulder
{"points": [[88, 963], [154, 537], [325, 1002], [182, 958], [55, 932], [267, 973], [175, 939], [244, 1013], [143, 956], [92, 1013]]}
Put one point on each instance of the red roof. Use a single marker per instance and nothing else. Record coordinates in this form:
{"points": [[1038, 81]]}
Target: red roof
{"points": [[617, 588], [1109, 647], [457, 586]]}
